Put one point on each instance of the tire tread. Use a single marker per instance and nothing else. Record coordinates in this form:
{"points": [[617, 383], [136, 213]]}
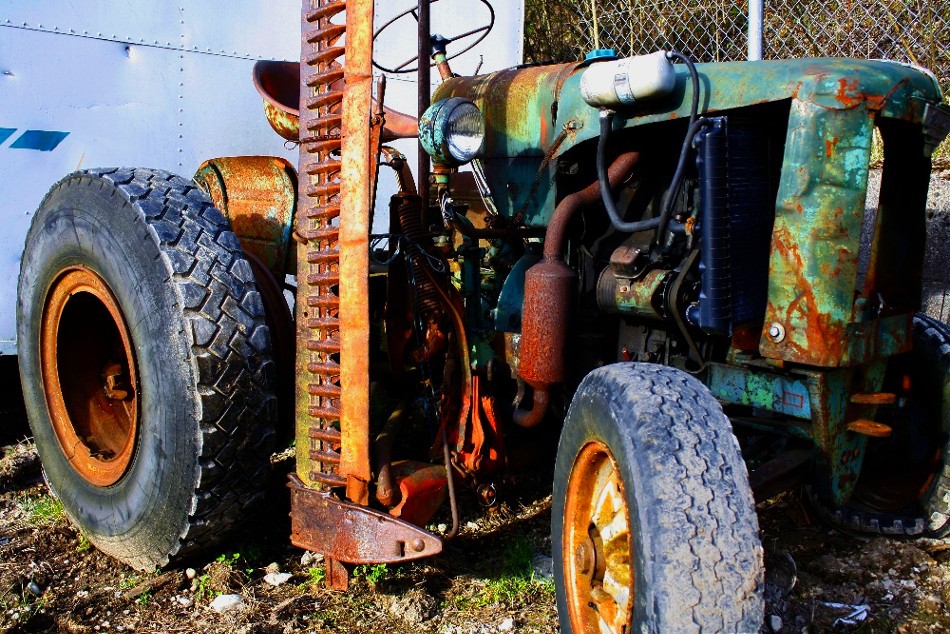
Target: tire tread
{"points": [[229, 348], [700, 516]]}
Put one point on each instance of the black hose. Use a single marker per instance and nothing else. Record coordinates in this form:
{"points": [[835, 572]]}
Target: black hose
{"points": [[694, 126], [615, 218], [694, 108], [661, 222], [670, 195]]}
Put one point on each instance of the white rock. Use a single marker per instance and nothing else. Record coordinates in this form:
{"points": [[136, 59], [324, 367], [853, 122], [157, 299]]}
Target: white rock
{"points": [[191, 573], [311, 559], [775, 622], [507, 625], [184, 602], [227, 603], [277, 578]]}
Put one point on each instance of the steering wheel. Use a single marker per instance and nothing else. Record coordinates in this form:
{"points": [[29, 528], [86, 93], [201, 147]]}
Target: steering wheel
{"points": [[482, 30]]}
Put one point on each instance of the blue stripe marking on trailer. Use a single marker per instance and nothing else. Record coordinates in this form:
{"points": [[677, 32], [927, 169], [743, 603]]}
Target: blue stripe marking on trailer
{"points": [[42, 140], [5, 134]]}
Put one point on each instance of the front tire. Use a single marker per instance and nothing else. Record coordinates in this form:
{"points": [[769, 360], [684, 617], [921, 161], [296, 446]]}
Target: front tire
{"points": [[654, 526], [145, 363]]}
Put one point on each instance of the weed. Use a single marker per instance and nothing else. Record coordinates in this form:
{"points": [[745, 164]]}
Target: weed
{"points": [[143, 599], [515, 581], [219, 577], [316, 575], [372, 573], [250, 554], [203, 587], [127, 583], [84, 543], [42, 511]]}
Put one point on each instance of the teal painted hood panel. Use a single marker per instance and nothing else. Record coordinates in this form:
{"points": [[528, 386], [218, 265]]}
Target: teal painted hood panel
{"points": [[531, 110]]}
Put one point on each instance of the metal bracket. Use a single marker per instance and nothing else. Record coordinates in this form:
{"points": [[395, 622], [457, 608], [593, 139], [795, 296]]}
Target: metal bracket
{"points": [[351, 533], [936, 126]]}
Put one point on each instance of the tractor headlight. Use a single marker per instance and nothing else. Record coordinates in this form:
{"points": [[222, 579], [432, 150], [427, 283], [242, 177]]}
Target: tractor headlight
{"points": [[452, 131]]}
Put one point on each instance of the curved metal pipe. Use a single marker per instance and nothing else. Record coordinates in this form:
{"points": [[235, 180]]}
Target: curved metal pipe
{"points": [[549, 286], [618, 172], [529, 418], [386, 490]]}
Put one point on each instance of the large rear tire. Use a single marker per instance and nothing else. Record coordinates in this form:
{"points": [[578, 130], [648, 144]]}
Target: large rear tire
{"points": [[654, 526], [145, 363]]}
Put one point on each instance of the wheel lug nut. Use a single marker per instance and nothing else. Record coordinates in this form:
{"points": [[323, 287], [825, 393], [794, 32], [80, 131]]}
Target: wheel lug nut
{"points": [[584, 558]]}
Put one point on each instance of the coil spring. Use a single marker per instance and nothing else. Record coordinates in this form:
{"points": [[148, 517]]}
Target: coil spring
{"points": [[320, 120], [408, 208]]}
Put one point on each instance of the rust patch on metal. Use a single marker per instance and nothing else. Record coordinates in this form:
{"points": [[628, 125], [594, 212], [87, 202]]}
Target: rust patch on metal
{"points": [[258, 195], [874, 398], [279, 85], [870, 428], [354, 534], [357, 168], [338, 577], [89, 376]]}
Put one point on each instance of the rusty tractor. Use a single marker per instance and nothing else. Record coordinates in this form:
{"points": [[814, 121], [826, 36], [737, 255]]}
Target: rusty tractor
{"points": [[676, 265]]}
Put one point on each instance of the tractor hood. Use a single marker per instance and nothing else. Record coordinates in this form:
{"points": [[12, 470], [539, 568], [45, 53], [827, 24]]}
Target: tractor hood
{"points": [[531, 109]]}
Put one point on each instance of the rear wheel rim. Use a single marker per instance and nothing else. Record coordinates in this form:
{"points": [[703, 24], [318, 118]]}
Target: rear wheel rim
{"points": [[89, 376], [597, 545]]}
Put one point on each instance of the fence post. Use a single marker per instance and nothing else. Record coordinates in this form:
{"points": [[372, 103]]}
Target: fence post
{"points": [[756, 20]]}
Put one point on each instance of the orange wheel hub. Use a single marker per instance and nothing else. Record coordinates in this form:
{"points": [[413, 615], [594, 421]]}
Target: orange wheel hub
{"points": [[89, 376], [598, 570]]}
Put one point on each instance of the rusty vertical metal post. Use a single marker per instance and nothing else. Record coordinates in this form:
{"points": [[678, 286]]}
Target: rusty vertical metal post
{"points": [[425, 88], [356, 175]]}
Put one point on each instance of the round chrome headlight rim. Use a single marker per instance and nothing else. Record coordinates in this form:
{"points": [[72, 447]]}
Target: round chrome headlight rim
{"points": [[452, 131]]}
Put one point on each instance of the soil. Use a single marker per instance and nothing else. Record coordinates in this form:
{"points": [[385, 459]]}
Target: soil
{"points": [[490, 579]]}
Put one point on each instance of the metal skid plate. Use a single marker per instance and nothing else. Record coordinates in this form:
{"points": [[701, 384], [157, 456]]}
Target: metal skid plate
{"points": [[351, 533]]}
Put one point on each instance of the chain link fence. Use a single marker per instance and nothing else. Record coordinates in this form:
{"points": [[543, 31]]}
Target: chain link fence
{"points": [[914, 31]]}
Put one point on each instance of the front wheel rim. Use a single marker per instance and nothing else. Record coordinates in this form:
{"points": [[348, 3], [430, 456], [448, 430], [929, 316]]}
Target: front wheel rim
{"points": [[89, 376], [597, 544]]}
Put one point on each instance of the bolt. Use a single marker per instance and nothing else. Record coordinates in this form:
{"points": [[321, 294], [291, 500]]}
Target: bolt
{"points": [[777, 332], [584, 558], [417, 545]]}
